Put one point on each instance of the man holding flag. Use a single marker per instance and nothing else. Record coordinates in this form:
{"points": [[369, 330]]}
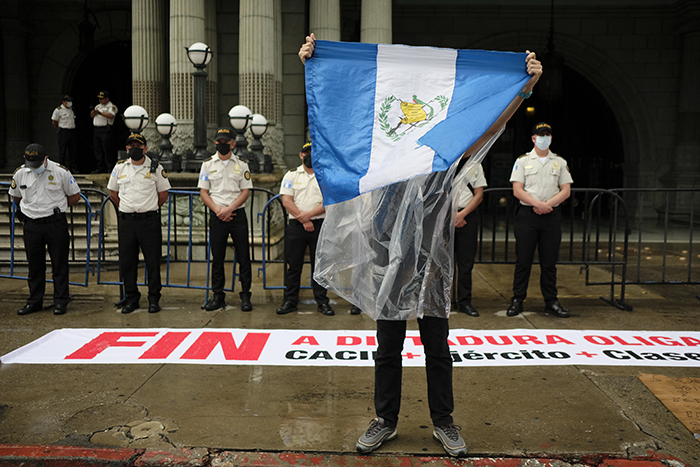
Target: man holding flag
{"points": [[384, 121]]}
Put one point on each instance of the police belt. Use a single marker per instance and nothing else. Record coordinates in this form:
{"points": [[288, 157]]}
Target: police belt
{"points": [[138, 215], [48, 219]]}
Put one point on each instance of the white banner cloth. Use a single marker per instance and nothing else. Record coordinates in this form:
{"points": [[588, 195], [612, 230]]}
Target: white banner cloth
{"points": [[512, 347]]}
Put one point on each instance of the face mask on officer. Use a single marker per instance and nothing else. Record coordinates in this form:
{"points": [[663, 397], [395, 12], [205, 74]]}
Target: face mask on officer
{"points": [[307, 160], [543, 142], [38, 170], [69, 105], [223, 148], [136, 153]]}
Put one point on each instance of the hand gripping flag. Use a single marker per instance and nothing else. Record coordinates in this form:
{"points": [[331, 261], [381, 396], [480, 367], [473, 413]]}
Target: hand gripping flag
{"points": [[388, 123]]}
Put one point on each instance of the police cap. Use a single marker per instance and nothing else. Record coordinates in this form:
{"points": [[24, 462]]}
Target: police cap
{"points": [[136, 137], [223, 133], [540, 127], [306, 147], [34, 155]]}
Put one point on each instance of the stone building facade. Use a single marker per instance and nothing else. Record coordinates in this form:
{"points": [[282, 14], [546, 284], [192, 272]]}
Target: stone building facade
{"points": [[628, 115]]}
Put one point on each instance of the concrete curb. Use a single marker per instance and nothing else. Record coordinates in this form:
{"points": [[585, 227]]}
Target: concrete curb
{"points": [[71, 456]]}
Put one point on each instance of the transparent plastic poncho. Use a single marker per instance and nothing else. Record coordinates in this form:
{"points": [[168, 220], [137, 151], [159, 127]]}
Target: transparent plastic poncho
{"points": [[390, 251]]}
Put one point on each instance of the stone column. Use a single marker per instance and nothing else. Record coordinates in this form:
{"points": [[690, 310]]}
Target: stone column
{"points": [[148, 63], [212, 70], [324, 19], [17, 134], [687, 150], [375, 22], [187, 26]]}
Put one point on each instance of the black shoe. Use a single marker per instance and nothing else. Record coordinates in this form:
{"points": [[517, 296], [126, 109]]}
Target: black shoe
{"points": [[26, 309], [326, 309], [129, 308], [215, 303], [556, 309], [153, 308], [355, 310], [287, 307], [60, 309], [468, 309], [245, 302], [515, 308]]}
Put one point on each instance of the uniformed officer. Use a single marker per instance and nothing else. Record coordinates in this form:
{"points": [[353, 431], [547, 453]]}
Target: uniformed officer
{"points": [[468, 192], [139, 186], [301, 197], [224, 183], [541, 181], [102, 119], [63, 120], [43, 191]]}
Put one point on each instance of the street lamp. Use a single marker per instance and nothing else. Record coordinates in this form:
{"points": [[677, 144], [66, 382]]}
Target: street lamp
{"points": [[240, 117], [166, 126], [258, 127], [136, 118], [200, 55]]}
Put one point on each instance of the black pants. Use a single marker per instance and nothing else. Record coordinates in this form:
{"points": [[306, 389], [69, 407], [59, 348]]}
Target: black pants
{"points": [[542, 232], [140, 231], [39, 236], [438, 368], [105, 157], [68, 148], [219, 232], [465, 251], [296, 239]]}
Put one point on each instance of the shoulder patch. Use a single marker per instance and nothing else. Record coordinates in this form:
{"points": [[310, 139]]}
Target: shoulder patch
{"points": [[122, 161], [164, 173], [63, 167], [247, 175], [58, 108], [207, 160], [13, 185], [17, 169], [524, 155]]}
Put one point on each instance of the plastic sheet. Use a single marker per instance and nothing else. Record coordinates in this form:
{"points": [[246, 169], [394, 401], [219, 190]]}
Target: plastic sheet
{"points": [[390, 251]]}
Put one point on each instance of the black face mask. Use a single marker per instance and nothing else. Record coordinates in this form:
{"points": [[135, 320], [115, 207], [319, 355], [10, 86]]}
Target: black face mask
{"points": [[307, 161], [136, 153], [223, 148]]}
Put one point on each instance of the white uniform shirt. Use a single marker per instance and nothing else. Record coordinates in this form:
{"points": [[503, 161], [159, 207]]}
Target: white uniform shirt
{"points": [[461, 194], [224, 181], [64, 116], [138, 188], [542, 181], [304, 188], [42, 193], [99, 120]]}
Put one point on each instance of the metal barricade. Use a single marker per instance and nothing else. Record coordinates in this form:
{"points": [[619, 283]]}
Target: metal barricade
{"points": [[584, 223], [76, 260]]}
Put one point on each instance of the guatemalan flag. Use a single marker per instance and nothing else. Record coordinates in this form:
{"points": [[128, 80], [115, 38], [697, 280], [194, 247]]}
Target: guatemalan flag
{"points": [[379, 114], [387, 124]]}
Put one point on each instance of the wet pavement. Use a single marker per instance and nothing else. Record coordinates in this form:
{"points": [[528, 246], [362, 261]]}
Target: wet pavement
{"points": [[167, 414]]}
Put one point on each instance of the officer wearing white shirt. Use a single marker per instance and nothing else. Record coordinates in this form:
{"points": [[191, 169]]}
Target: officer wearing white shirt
{"points": [[301, 197], [102, 119], [63, 121], [44, 190], [541, 181], [224, 186], [139, 186], [468, 192]]}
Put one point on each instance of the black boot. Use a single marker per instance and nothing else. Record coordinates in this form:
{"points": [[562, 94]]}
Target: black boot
{"points": [[245, 302]]}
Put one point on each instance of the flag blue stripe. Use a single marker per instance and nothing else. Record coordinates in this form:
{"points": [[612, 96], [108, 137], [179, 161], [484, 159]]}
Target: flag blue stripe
{"points": [[341, 133], [486, 82]]}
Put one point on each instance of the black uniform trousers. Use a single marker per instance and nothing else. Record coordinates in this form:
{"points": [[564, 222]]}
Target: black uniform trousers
{"points": [[219, 232], [140, 231], [68, 148], [104, 154], [39, 234], [438, 368], [296, 239], [465, 252], [542, 232]]}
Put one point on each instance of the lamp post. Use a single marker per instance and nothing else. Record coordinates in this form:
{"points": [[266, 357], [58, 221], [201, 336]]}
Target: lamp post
{"points": [[258, 127], [166, 126], [200, 55], [240, 117], [135, 118]]}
